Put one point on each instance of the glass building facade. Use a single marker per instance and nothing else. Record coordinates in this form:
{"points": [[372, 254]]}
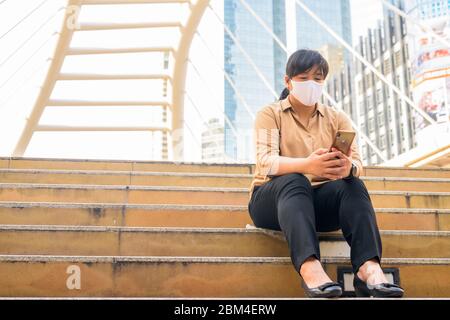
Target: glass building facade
{"points": [[268, 57], [428, 9], [335, 13]]}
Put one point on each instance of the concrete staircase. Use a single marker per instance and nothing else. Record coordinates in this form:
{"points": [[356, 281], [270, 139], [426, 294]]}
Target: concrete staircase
{"points": [[160, 229]]}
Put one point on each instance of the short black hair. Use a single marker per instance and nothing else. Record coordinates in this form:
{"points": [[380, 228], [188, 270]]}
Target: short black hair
{"points": [[302, 61]]}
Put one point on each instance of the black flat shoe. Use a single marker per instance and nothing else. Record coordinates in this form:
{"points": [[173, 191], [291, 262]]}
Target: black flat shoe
{"points": [[326, 290], [382, 290]]}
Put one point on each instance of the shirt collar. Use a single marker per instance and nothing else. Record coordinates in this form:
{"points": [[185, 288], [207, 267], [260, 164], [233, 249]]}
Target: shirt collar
{"points": [[285, 104]]}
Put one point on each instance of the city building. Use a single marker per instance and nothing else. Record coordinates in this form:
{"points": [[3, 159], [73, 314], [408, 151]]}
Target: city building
{"points": [[381, 114], [334, 55], [430, 65], [267, 56], [213, 142], [335, 13]]}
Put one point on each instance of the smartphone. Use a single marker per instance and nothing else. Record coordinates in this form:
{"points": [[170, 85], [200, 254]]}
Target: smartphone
{"points": [[343, 141]]}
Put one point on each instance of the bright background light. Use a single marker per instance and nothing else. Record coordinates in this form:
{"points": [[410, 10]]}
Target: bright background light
{"points": [[22, 72]]}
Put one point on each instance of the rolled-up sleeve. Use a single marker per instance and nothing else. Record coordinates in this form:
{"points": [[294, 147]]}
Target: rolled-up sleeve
{"points": [[266, 137], [344, 123]]}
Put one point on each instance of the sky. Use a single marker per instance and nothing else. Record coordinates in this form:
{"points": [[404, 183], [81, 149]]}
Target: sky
{"points": [[25, 51]]}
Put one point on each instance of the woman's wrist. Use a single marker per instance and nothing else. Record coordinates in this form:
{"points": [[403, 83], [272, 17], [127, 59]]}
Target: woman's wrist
{"points": [[304, 165]]}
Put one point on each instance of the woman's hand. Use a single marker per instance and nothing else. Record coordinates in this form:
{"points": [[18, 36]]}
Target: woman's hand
{"points": [[347, 165], [331, 165]]}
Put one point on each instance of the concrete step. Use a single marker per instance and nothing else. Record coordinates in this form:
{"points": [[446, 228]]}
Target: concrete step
{"points": [[206, 216], [235, 242], [122, 165], [166, 166], [116, 177], [373, 171], [190, 195], [100, 276]]}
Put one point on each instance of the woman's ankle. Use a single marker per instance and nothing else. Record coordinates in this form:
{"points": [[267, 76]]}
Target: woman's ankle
{"points": [[371, 272], [313, 273], [309, 264]]}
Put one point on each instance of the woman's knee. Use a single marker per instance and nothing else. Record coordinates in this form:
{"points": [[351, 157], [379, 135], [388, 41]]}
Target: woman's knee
{"points": [[353, 184], [298, 179], [354, 193]]}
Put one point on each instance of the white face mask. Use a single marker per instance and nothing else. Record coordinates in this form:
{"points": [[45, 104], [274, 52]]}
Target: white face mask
{"points": [[307, 92]]}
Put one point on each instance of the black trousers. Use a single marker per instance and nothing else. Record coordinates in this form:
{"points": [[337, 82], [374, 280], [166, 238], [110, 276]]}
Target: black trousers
{"points": [[289, 203]]}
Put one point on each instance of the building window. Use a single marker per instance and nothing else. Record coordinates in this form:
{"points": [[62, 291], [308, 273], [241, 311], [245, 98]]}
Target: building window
{"points": [[369, 102], [383, 39], [406, 51], [368, 80], [380, 118], [346, 107], [360, 88], [397, 60], [387, 66], [371, 125], [402, 132], [373, 46], [407, 77], [379, 96], [382, 142], [399, 81], [403, 26], [364, 150]]}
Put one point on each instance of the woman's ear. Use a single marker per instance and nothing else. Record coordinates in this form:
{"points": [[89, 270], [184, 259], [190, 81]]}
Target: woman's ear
{"points": [[287, 83]]}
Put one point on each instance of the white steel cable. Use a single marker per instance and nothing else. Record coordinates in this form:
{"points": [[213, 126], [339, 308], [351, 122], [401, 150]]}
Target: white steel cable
{"points": [[23, 19], [429, 30], [228, 78], [28, 59], [328, 96], [31, 36], [205, 123], [365, 62], [23, 83], [226, 118], [244, 52], [363, 135]]}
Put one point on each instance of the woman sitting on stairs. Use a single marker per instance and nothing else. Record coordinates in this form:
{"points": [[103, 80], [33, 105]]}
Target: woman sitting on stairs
{"points": [[301, 187]]}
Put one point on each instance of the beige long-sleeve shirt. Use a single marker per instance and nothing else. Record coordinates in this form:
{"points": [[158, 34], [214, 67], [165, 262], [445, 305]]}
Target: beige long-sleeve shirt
{"points": [[278, 131]]}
